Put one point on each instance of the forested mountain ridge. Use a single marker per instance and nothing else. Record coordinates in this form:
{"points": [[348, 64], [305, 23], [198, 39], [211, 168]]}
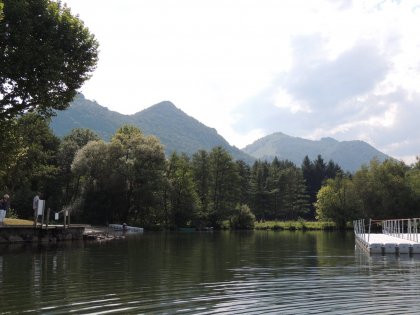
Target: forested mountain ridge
{"points": [[176, 130], [181, 133], [350, 155]]}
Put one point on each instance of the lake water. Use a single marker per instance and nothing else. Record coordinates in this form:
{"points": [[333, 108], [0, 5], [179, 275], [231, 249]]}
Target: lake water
{"points": [[208, 273]]}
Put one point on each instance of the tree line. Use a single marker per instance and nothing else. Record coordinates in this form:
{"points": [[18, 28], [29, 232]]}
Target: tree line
{"points": [[388, 190], [130, 180]]}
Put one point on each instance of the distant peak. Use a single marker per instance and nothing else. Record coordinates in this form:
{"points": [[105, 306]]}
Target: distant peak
{"points": [[162, 107], [166, 104], [278, 133], [328, 139]]}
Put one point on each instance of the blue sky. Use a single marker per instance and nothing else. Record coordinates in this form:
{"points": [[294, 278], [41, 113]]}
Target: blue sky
{"points": [[321, 68]]}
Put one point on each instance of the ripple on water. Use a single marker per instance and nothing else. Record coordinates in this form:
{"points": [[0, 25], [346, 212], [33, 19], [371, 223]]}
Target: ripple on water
{"points": [[259, 293], [136, 278]]}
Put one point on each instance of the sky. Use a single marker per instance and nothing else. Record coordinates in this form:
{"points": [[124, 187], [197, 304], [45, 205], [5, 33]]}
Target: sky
{"points": [[344, 69]]}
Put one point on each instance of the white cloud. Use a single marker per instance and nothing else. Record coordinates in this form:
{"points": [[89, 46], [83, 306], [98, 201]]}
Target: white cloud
{"points": [[251, 67], [282, 99]]}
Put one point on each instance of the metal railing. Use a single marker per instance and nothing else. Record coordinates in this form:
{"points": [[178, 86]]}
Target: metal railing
{"points": [[360, 230], [402, 228]]}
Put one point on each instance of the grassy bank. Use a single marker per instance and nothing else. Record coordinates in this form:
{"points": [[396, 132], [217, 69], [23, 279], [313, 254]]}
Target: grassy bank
{"points": [[14, 222], [300, 225], [295, 225]]}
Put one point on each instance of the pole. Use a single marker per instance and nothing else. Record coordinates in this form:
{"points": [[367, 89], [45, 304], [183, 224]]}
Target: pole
{"points": [[48, 218]]}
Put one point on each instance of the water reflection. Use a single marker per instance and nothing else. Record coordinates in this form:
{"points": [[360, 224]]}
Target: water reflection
{"points": [[206, 273]]}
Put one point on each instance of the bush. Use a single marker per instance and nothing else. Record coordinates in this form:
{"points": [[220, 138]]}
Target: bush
{"points": [[11, 214], [242, 219]]}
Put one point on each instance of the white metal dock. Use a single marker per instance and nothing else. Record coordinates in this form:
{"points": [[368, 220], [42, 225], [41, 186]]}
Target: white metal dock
{"points": [[398, 236]]}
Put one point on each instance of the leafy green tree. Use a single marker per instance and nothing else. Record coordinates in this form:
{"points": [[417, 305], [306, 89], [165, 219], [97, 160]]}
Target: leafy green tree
{"points": [[184, 198], [69, 146], [417, 164], [11, 148], [149, 170], [93, 165], [122, 180], [381, 190], [315, 173], [337, 201], [384, 190], [201, 173], [224, 179], [46, 54], [80, 137], [30, 164], [260, 192], [292, 188], [242, 218], [287, 191], [413, 178], [244, 187]]}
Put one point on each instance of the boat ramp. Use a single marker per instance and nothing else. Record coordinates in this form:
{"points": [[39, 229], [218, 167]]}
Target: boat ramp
{"points": [[400, 236]]}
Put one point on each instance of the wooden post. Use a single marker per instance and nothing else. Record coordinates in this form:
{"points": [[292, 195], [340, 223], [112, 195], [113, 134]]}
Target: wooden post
{"points": [[48, 218], [42, 220], [64, 218]]}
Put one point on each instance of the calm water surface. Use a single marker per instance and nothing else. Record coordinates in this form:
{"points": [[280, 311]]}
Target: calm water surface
{"points": [[208, 273]]}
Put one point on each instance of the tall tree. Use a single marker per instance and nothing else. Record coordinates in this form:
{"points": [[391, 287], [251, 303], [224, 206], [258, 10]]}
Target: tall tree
{"points": [[260, 192], [184, 198], [337, 201], [384, 190], [69, 146], [31, 162], [122, 179], [93, 165], [244, 187], [224, 179], [413, 178], [46, 54], [202, 178], [294, 198], [149, 170], [315, 173]]}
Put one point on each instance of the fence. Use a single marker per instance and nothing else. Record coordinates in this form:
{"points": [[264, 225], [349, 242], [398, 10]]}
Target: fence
{"points": [[360, 229], [402, 228]]}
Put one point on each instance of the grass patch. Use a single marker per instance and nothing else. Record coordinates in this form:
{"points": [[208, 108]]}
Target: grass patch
{"points": [[13, 222], [300, 225]]}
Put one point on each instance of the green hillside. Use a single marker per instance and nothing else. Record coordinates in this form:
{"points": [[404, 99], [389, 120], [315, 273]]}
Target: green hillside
{"points": [[350, 155], [176, 130], [182, 133]]}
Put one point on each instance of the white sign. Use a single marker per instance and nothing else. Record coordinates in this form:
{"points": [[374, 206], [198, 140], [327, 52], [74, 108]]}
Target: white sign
{"points": [[41, 206], [56, 216]]}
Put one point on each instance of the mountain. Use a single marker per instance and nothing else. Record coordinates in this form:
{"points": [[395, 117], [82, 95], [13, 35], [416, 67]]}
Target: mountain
{"points": [[176, 130], [182, 133], [350, 155], [84, 113]]}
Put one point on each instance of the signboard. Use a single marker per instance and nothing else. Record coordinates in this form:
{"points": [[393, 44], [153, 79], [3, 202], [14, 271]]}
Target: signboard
{"points": [[56, 216]]}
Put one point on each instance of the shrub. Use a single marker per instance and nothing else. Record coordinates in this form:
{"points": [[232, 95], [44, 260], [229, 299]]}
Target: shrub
{"points": [[242, 219]]}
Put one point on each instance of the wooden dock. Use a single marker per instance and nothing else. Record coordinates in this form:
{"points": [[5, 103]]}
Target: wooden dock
{"points": [[398, 236], [29, 234]]}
